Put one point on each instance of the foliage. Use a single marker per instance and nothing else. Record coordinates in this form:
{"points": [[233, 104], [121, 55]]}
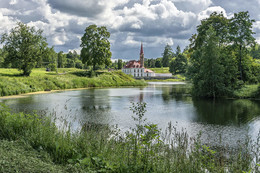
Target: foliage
{"points": [[21, 157], [209, 81], [158, 63], [52, 67], [100, 148], [167, 56], [40, 80], [255, 51], [241, 35], [95, 46], [62, 61], [179, 63], [24, 45], [120, 64], [228, 54]]}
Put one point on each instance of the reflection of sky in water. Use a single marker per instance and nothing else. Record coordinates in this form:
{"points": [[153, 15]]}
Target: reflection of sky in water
{"points": [[165, 102]]}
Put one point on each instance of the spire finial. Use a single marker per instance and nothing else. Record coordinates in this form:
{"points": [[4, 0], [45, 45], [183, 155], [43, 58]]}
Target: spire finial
{"points": [[142, 50]]}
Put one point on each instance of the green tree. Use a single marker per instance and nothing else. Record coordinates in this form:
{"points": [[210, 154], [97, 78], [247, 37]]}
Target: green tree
{"points": [[167, 56], [158, 62], [208, 81], [96, 46], [178, 50], [241, 35], [219, 23], [78, 64], [179, 64], [1, 58], [23, 46], [49, 56], [151, 63], [255, 51], [62, 61], [120, 64]]}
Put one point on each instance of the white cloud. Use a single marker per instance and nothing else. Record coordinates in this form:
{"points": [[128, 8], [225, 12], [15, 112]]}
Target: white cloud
{"points": [[153, 22], [7, 23], [12, 2], [206, 13]]}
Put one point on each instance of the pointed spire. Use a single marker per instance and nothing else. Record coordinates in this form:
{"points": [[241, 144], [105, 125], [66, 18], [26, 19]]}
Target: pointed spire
{"points": [[142, 50], [142, 56]]}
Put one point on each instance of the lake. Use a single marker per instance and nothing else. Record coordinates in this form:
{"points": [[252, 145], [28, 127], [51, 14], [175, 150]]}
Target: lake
{"points": [[166, 102]]}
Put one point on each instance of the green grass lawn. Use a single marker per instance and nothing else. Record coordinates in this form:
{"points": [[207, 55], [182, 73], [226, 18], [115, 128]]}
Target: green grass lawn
{"points": [[160, 70]]}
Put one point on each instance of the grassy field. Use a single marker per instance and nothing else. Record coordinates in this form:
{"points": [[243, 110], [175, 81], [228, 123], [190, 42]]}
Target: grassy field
{"points": [[12, 83], [160, 70], [30, 143]]}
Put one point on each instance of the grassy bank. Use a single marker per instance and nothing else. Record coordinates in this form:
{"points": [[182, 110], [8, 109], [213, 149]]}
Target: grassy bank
{"points": [[100, 148], [11, 83], [248, 91], [160, 70]]}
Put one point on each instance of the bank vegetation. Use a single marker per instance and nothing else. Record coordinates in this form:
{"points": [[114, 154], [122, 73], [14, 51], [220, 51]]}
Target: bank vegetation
{"points": [[13, 83]]}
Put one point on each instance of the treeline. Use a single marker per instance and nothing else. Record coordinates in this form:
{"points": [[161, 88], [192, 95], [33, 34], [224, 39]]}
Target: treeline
{"points": [[25, 48], [176, 61], [50, 59]]}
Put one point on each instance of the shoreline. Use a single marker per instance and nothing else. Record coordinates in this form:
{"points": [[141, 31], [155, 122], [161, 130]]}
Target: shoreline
{"points": [[38, 92]]}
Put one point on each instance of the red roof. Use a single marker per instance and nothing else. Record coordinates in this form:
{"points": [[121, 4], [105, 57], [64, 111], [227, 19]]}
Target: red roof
{"points": [[133, 64]]}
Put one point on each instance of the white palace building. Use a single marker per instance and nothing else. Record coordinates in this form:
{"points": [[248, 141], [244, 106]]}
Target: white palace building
{"points": [[136, 68]]}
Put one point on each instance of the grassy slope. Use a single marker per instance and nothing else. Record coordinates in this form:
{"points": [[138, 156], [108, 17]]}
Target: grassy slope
{"points": [[160, 70], [20, 157], [11, 83], [166, 70]]}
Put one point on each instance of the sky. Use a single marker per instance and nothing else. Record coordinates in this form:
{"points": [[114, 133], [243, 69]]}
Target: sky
{"points": [[155, 23]]}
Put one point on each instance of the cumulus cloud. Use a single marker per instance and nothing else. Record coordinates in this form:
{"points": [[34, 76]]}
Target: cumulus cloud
{"points": [[6, 22], [191, 5], [130, 22], [90, 8], [206, 13]]}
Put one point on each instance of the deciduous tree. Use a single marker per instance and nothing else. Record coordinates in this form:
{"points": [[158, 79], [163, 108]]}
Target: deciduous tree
{"points": [[167, 56], [241, 35], [96, 46], [23, 45]]}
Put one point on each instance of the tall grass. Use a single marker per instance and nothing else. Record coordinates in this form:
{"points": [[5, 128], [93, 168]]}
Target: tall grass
{"points": [[145, 148], [13, 84]]}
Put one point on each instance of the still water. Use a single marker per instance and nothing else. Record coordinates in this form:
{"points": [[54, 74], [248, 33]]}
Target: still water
{"points": [[166, 102]]}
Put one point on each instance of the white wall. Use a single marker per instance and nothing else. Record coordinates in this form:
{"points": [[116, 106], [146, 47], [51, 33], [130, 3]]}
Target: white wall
{"points": [[137, 72]]}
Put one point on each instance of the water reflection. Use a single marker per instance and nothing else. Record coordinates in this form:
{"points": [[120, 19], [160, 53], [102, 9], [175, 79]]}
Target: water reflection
{"points": [[226, 112], [165, 102]]}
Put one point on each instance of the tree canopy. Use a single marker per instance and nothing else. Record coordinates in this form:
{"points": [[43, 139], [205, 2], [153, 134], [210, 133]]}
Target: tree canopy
{"points": [[167, 56], [24, 45], [220, 55], [179, 63], [96, 46]]}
